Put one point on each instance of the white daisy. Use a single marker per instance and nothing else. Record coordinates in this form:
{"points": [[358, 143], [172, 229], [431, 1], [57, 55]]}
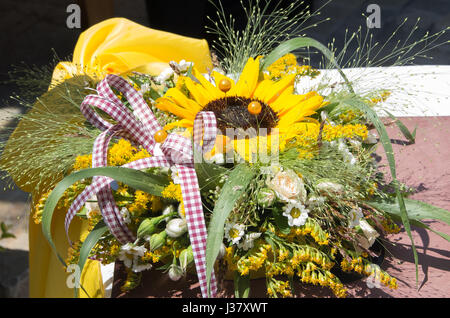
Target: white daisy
{"points": [[129, 253], [296, 213], [234, 232]]}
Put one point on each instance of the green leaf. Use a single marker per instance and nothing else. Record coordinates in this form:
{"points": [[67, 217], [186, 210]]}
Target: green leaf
{"points": [[241, 285], [300, 42], [417, 211], [386, 142], [134, 178], [233, 189], [209, 175], [93, 237], [405, 131], [281, 221]]}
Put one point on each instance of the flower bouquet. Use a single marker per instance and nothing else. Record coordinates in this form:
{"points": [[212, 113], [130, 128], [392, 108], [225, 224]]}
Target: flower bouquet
{"points": [[238, 172]]}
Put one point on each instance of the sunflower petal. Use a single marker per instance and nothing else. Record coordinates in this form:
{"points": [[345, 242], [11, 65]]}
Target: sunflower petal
{"points": [[248, 79], [200, 94], [182, 100], [168, 105], [298, 113], [279, 87], [284, 106], [213, 91], [184, 123]]}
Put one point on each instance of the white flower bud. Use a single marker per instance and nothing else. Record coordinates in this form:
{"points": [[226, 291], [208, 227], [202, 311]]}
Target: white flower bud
{"points": [[175, 273], [176, 227]]}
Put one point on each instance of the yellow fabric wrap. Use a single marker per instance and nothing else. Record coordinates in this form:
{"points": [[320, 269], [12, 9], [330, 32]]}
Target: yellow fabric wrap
{"points": [[120, 46], [116, 46]]}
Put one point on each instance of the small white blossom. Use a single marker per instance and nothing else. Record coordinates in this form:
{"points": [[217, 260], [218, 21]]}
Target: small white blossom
{"points": [[129, 253], [355, 216], [141, 267], [125, 215], [296, 213], [144, 88], [167, 210], [184, 65], [248, 241], [92, 209], [371, 138], [165, 75], [327, 187], [234, 232], [174, 174], [237, 188]]}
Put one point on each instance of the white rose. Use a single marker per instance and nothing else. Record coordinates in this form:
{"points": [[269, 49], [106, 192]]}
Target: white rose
{"points": [[288, 186]]}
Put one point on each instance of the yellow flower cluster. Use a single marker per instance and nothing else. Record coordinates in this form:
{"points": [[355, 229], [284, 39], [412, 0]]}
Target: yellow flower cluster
{"points": [[312, 228], [253, 262], [119, 154], [313, 275], [310, 264], [306, 141], [173, 192], [380, 98], [82, 162], [307, 254], [123, 152], [362, 266], [287, 64], [141, 202], [277, 287], [331, 133], [73, 253], [69, 195], [348, 116], [390, 227]]}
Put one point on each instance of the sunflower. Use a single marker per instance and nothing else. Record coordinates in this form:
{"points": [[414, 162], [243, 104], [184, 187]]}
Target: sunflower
{"points": [[267, 108]]}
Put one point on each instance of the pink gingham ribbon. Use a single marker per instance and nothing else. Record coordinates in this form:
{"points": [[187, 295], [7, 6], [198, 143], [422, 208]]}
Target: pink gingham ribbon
{"points": [[140, 126]]}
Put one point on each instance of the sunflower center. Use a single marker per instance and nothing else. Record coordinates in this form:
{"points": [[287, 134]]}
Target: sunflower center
{"points": [[232, 112]]}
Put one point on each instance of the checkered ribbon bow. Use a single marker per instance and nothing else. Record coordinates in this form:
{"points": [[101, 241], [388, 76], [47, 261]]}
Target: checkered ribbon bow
{"points": [[140, 127]]}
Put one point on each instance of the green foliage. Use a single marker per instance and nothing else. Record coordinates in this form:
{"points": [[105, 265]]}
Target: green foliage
{"points": [[235, 186]]}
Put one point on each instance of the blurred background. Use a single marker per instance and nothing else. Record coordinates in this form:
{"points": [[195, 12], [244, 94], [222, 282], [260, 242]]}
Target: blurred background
{"points": [[34, 32]]}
